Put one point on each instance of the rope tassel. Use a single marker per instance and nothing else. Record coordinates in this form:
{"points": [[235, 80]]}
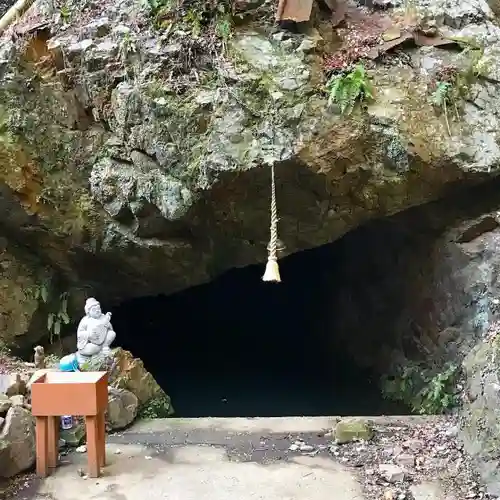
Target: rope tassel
{"points": [[272, 272]]}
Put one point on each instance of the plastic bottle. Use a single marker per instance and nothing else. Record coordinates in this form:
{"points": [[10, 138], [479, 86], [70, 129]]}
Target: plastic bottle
{"points": [[66, 422]]}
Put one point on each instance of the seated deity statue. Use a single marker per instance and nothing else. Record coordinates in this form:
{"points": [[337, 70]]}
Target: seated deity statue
{"points": [[95, 333]]}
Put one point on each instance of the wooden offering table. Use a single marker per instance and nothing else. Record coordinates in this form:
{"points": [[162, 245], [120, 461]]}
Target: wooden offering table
{"points": [[55, 394]]}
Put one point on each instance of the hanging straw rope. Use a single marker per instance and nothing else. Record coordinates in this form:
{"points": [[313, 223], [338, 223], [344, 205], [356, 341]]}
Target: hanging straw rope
{"points": [[272, 272]]}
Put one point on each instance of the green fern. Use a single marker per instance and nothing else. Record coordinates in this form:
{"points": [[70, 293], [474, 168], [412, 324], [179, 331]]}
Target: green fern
{"points": [[423, 390], [454, 84], [349, 88], [438, 396], [442, 97]]}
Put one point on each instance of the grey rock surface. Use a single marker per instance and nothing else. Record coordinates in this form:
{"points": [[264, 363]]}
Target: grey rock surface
{"points": [[17, 442], [5, 403], [122, 408], [481, 409]]}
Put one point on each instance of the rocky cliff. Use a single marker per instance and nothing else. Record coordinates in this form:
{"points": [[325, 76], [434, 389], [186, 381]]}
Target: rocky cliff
{"points": [[136, 139]]}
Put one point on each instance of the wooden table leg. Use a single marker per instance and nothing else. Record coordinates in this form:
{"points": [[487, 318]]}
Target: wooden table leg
{"points": [[102, 439], [53, 441], [93, 454], [42, 466]]}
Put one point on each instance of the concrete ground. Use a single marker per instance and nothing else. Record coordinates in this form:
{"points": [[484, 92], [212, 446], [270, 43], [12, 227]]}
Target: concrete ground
{"points": [[219, 459]]}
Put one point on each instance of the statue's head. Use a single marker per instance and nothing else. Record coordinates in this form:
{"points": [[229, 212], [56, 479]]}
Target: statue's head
{"points": [[93, 308]]}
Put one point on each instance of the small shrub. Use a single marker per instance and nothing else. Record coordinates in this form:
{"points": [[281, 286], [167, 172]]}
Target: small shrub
{"points": [[438, 395], [59, 317], [443, 98], [452, 86], [424, 391], [159, 407], [55, 308], [347, 89]]}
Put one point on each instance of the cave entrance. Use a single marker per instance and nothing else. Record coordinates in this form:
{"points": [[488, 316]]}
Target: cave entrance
{"points": [[240, 347]]}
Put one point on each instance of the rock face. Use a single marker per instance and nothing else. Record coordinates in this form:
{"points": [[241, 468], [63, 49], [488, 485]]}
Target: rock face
{"points": [[133, 182], [122, 408], [130, 376], [433, 290], [431, 297], [18, 282], [481, 408], [17, 442]]}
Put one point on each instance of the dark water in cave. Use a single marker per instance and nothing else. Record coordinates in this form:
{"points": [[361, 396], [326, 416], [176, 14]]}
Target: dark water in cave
{"points": [[241, 347]]}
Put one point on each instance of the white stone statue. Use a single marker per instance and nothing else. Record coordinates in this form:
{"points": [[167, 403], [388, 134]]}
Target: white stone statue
{"points": [[95, 333]]}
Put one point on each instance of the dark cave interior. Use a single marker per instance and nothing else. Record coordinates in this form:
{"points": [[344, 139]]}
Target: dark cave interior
{"points": [[345, 314], [238, 346]]}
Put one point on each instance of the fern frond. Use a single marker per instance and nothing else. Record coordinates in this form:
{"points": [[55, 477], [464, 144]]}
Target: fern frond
{"points": [[345, 90], [441, 94], [333, 86]]}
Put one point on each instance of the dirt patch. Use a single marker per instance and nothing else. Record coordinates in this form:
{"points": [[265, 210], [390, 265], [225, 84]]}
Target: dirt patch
{"points": [[21, 487]]}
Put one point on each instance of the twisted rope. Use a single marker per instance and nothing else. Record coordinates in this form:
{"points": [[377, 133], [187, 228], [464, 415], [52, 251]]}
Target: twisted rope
{"points": [[272, 272], [274, 220]]}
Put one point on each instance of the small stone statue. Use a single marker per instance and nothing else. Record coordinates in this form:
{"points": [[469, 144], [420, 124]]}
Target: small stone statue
{"points": [[95, 333], [39, 357]]}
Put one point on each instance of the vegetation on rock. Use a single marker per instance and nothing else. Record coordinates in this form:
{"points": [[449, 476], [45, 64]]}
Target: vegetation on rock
{"points": [[352, 429], [56, 310], [424, 390], [158, 407], [452, 85], [349, 88]]}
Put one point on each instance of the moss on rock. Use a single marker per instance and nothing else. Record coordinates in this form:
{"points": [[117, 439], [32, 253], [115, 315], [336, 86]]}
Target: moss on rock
{"points": [[352, 429]]}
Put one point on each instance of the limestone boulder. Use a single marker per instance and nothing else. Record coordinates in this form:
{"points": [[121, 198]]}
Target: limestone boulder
{"points": [[18, 400], [17, 442], [122, 408], [129, 373]]}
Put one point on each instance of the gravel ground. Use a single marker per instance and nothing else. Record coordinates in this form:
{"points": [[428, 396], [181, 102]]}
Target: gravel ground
{"points": [[402, 458], [402, 462], [20, 487]]}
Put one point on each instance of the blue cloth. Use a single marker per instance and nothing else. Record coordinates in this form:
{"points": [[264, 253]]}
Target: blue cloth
{"points": [[69, 363]]}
